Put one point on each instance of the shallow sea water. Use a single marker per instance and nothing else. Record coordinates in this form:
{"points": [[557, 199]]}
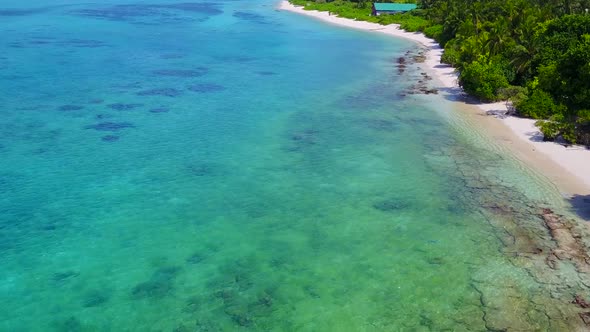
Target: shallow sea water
{"points": [[220, 166]]}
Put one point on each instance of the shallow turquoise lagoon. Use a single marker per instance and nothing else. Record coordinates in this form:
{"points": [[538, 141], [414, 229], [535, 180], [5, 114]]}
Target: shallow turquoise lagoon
{"points": [[222, 166]]}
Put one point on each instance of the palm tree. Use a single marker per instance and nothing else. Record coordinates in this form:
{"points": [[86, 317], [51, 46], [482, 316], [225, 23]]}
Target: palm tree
{"points": [[498, 36]]}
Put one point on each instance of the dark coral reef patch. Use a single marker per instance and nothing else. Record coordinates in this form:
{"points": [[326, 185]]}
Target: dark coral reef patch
{"points": [[392, 205], [172, 56], [110, 126], [161, 13], [159, 285], [159, 110], [167, 92], [23, 12], [186, 73], [50, 41], [123, 107], [63, 277], [70, 108], [250, 17], [110, 138], [82, 43], [206, 87], [95, 298]]}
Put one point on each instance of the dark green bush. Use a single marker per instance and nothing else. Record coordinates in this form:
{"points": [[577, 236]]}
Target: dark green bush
{"points": [[434, 32], [539, 105], [516, 94], [557, 126], [483, 80], [451, 55], [550, 129], [413, 23], [407, 21]]}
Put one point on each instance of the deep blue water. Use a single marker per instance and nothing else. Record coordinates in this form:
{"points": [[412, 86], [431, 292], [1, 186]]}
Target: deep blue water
{"points": [[222, 165]]}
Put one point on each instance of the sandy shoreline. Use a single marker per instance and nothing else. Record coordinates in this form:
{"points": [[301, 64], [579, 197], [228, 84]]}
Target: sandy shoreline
{"points": [[568, 168]]}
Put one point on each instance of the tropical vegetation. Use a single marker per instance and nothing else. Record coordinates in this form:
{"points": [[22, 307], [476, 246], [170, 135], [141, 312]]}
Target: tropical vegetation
{"points": [[535, 53]]}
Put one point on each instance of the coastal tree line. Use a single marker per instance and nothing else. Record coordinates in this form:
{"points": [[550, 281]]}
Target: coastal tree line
{"points": [[535, 53]]}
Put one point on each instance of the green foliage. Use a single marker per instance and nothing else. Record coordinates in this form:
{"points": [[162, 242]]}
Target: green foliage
{"points": [[516, 94], [346, 9], [583, 127], [550, 129], [407, 21], [483, 80], [361, 10], [452, 56], [558, 126], [539, 105], [564, 60], [435, 32]]}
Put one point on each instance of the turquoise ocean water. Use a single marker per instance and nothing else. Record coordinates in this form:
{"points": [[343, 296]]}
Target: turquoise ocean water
{"points": [[221, 166]]}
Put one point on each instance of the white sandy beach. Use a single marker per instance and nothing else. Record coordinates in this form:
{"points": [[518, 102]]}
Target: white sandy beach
{"points": [[573, 163]]}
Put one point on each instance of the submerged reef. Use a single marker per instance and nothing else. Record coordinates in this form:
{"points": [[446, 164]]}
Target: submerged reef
{"points": [[195, 258], [381, 124], [550, 250], [172, 56], [70, 324], [25, 12], [235, 58], [110, 126], [206, 87], [251, 17], [167, 92], [61, 278], [95, 298], [209, 8], [192, 304], [421, 87], [70, 108], [201, 169], [82, 43], [392, 205], [123, 107], [412, 58], [401, 65], [110, 138], [185, 73], [241, 305], [302, 139], [146, 13], [159, 110], [161, 284], [40, 41]]}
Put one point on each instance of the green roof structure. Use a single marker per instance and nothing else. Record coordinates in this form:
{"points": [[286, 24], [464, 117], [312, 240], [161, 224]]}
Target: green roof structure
{"points": [[380, 7]]}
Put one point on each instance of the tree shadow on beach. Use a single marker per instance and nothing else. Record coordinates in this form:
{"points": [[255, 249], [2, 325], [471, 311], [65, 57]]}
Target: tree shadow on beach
{"points": [[581, 205], [456, 94]]}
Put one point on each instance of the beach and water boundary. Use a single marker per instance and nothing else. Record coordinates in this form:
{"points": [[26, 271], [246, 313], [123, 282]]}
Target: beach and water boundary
{"points": [[232, 167], [566, 167]]}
